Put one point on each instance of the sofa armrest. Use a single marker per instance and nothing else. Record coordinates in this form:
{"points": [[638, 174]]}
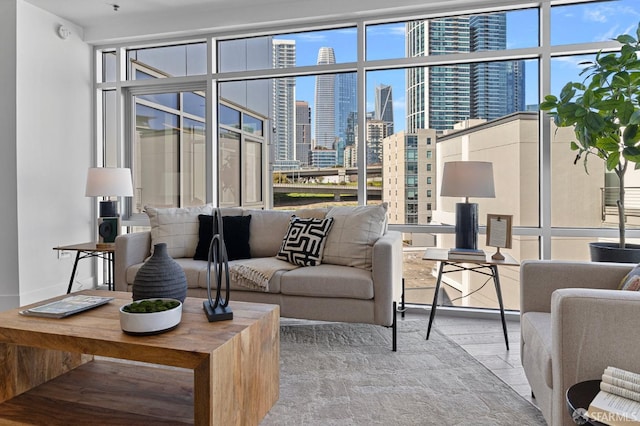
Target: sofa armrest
{"points": [[387, 275], [591, 330], [540, 278], [131, 249]]}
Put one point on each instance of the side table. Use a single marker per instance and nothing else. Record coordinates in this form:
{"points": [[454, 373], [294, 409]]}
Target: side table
{"points": [[488, 267], [579, 396], [85, 250]]}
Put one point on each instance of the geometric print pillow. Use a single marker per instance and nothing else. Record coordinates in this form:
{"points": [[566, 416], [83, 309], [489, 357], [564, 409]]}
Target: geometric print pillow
{"points": [[632, 280], [304, 241]]}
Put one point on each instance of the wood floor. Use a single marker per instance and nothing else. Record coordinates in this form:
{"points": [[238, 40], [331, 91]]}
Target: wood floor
{"points": [[483, 339]]}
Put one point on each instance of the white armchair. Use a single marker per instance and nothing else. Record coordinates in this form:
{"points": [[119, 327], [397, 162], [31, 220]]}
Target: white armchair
{"points": [[574, 323]]}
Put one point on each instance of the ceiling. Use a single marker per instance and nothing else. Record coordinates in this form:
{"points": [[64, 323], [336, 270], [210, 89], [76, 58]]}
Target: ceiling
{"points": [[100, 22], [89, 12]]}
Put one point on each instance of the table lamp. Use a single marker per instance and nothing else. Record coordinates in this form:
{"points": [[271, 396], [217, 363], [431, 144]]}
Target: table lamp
{"points": [[467, 179], [109, 182]]}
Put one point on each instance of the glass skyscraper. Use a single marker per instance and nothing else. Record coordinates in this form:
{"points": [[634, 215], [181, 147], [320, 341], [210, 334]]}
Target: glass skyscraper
{"points": [[384, 106], [325, 118], [284, 94], [440, 96], [303, 132], [497, 88], [346, 105]]}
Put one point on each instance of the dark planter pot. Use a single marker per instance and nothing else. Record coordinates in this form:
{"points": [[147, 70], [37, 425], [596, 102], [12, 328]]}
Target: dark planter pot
{"points": [[611, 252]]}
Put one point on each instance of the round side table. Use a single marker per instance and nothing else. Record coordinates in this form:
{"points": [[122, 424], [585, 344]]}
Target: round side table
{"points": [[579, 396]]}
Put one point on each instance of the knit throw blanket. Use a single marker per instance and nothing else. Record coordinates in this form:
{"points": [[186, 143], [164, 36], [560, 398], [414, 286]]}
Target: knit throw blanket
{"points": [[256, 273]]}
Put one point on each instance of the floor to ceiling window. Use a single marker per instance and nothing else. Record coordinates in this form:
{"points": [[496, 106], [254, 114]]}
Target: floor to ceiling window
{"points": [[368, 112]]}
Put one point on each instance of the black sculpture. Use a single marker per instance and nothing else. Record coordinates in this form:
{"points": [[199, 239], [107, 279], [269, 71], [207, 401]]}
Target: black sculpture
{"points": [[218, 309]]}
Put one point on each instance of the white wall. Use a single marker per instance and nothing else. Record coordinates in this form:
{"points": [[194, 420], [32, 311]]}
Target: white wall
{"points": [[47, 148], [8, 213]]}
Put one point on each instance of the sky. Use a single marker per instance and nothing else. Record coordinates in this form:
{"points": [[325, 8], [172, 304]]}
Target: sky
{"points": [[569, 24]]}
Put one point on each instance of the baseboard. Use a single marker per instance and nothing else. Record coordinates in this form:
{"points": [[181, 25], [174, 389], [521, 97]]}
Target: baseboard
{"points": [[453, 311]]}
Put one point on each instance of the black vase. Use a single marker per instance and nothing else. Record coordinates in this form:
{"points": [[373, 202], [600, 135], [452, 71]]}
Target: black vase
{"points": [[160, 277]]}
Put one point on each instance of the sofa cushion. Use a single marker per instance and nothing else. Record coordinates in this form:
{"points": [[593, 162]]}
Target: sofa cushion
{"points": [[196, 273], [236, 237], [328, 281], [353, 234], [304, 241], [266, 231], [178, 227], [536, 335]]}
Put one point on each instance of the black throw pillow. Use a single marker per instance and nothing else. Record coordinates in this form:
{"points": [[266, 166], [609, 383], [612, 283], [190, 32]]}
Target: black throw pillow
{"points": [[236, 236]]}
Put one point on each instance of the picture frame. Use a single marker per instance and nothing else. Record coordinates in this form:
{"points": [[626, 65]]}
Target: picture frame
{"points": [[499, 233]]}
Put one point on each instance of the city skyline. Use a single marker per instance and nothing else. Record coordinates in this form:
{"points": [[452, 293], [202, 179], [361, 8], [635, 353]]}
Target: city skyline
{"points": [[570, 24]]}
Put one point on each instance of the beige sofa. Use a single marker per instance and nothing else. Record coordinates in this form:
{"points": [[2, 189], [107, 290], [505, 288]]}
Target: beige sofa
{"points": [[331, 291], [574, 324]]}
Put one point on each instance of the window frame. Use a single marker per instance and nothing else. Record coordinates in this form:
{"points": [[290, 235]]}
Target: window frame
{"points": [[544, 53]]}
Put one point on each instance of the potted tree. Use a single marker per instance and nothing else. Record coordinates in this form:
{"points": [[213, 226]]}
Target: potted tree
{"points": [[604, 110]]}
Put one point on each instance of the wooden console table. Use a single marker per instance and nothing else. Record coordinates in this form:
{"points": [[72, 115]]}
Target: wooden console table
{"points": [[228, 371]]}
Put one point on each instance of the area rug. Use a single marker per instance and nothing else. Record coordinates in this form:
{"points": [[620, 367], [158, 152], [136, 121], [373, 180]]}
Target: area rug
{"points": [[346, 374]]}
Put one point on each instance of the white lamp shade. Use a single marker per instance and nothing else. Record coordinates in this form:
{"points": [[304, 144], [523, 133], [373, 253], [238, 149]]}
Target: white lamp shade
{"points": [[109, 181], [467, 179]]}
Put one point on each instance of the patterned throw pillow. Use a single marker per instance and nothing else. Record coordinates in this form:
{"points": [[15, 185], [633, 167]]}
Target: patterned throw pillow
{"points": [[304, 241], [632, 280]]}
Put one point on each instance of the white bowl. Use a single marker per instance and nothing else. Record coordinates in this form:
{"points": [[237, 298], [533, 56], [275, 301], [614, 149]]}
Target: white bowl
{"points": [[150, 322]]}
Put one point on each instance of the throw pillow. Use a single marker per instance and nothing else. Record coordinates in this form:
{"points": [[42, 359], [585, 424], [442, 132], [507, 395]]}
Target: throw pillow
{"points": [[235, 233], [177, 227], [354, 232], [319, 213], [267, 230], [632, 280], [304, 241]]}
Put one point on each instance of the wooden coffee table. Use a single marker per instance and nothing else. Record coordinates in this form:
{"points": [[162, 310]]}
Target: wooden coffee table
{"points": [[219, 373]]}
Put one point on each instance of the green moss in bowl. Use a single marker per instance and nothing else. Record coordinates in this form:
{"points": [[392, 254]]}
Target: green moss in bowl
{"points": [[148, 306]]}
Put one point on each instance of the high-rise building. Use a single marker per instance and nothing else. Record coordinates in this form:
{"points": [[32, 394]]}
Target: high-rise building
{"points": [[346, 106], [322, 158], [376, 131], [515, 87], [283, 144], [303, 132], [325, 131], [409, 176], [440, 96], [384, 106], [497, 88]]}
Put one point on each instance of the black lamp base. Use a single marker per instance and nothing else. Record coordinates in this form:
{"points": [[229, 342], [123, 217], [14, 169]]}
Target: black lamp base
{"points": [[218, 314], [467, 226], [108, 208]]}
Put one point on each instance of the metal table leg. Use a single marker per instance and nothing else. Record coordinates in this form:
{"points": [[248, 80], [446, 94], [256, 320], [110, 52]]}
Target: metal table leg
{"points": [[73, 272], [434, 304], [496, 280]]}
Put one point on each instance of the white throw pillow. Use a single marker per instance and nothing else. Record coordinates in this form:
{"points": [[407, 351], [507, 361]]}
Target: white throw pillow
{"points": [[267, 231], [178, 227], [353, 234]]}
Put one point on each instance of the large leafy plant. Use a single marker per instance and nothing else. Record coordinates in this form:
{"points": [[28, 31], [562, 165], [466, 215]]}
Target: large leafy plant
{"points": [[605, 112]]}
